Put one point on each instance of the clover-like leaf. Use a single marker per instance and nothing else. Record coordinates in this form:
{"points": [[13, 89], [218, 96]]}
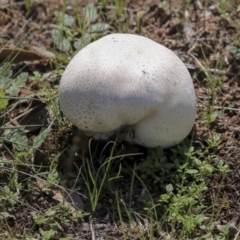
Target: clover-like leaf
{"points": [[61, 42], [234, 50], [65, 18], [98, 27], [90, 12], [17, 83], [19, 139]]}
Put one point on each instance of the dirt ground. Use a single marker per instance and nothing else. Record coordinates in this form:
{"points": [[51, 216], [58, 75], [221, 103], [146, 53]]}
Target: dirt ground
{"points": [[198, 33]]}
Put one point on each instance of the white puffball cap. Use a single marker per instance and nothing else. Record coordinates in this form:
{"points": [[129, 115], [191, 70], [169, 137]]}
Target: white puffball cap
{"points": [[129, 80]]}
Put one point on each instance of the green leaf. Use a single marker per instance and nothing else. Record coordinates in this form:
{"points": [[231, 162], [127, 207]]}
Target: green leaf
{"points": [[38, 141], [98, 27], [169, 188], [17, 83], [192, 171], [65, 18], [60, 41], [91, 12], [234, 50], [47, 234], [200, 218], [85, 40], [50, 213], [3, 101], [38, 220], [68, 20], [213, 116], [19, 139]]}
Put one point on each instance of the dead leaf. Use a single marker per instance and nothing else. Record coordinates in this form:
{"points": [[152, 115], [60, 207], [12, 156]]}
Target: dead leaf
{"points": [[72, 197], [42, 184], [18, 55]]}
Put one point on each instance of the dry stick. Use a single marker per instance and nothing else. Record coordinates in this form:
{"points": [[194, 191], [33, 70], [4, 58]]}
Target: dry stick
{"points": [[19, 116], [196, 60], [200, 66], [227, 108], [217, 107], [9, 110], [236, 237], [198, 63], [211, 70], [27, 110], [91, 228]]}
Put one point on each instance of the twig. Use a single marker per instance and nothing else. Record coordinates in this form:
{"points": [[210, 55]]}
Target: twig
{"points": [[91, 228], [199, 64], [19, 116], [236, 237], [227, 108]]}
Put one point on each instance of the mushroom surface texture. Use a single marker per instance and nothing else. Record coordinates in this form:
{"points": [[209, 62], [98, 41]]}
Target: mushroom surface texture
{"points": [[131, 85]]}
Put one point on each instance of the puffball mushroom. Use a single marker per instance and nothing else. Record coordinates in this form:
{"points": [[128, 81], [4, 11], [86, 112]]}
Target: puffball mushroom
{"points": [[131, 85]]}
